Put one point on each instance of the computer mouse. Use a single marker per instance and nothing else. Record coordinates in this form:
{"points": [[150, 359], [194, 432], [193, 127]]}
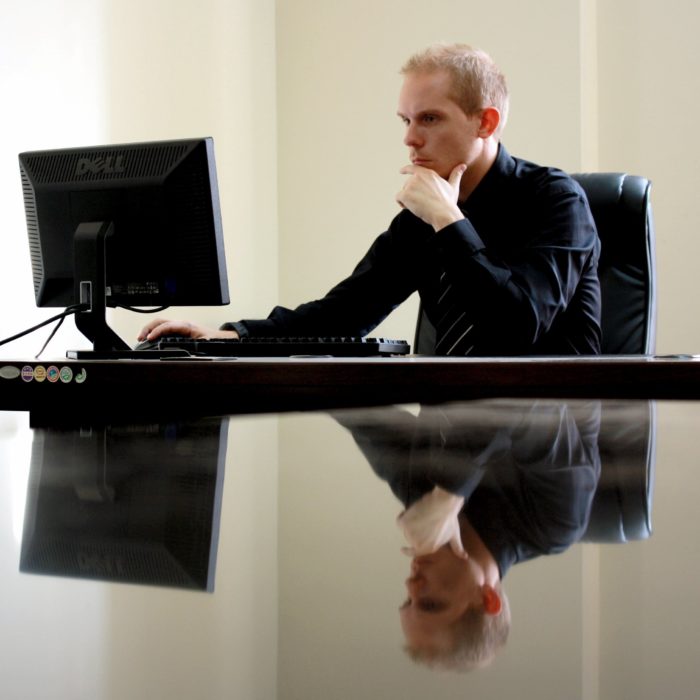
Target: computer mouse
{"points": [[147, 345]]}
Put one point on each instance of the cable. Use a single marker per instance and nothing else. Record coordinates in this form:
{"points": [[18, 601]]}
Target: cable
{"points": [[70, 310], [155, 310], [59, 317]]}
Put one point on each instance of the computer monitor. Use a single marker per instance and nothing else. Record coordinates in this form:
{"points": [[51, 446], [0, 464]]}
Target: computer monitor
{"points": [[130, 225]]}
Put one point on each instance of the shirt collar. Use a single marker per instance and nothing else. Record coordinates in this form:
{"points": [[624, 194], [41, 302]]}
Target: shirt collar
{"points": [[503, 167]]}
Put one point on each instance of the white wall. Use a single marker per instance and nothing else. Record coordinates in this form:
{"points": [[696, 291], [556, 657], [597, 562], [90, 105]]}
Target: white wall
{"points": [[53, 95], [81, 72], [188, 68]]}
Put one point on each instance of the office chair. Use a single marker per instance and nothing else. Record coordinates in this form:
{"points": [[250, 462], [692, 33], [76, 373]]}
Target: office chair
{"points": [[621, 209]]}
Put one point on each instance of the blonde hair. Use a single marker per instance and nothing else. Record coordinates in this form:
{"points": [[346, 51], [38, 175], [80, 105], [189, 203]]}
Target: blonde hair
{"points": [[476, 80], [476, 639]]}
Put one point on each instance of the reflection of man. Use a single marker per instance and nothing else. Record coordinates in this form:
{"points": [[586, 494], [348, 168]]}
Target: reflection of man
{"points": [[485, 485], [502, 252]]}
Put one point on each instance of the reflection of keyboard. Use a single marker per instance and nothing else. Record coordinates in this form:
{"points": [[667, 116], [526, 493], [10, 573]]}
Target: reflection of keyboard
{"points": [[284, 347]]}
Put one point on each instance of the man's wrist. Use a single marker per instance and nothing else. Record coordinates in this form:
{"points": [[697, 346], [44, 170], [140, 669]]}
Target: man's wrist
{"points": [[444, 220]]}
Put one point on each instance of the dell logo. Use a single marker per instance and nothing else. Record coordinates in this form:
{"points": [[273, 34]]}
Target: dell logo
{"points": [[108, 166]]}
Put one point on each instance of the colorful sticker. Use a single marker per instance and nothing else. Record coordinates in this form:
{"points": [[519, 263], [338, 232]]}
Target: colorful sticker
{"points": [[66, 374], [27, 373], [81, 376], [40, 373], [9, 372], [52, 374]]}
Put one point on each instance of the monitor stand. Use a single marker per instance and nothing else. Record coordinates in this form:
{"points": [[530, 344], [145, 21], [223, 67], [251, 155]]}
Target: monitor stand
{"points": [[90, 281]]}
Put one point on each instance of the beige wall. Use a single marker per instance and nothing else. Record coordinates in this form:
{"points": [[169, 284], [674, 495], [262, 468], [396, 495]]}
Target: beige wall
{"points": [[309, 158], [595, 85], [649, 63], [340, 141]]}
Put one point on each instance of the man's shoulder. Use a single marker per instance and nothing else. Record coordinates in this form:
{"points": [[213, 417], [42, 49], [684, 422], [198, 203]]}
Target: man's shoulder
{"points": [[543, 177]]}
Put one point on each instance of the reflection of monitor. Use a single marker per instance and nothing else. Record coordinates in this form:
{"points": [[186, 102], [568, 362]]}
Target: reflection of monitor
{"points": [[126, 503], [124, 225]]}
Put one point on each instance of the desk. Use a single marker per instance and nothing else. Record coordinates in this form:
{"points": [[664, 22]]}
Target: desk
{"points": [[231, 555], [253, 386]]}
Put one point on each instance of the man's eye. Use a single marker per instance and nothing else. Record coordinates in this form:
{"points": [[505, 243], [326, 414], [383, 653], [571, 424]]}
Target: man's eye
{"points": [[429, 118]]}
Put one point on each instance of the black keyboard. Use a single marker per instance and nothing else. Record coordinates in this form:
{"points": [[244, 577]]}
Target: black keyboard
{"points": [[282, 347]]}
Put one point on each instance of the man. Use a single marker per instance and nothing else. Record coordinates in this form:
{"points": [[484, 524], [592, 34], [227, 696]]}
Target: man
{"points": [[503, 252]]}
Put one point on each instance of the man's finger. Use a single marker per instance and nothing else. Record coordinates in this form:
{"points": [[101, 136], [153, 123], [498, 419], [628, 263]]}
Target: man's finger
{"points": [[457, 548], [456, 174]]}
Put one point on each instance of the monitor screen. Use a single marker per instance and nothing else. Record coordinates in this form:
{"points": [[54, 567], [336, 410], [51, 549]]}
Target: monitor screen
{"points": [[132, 225]]}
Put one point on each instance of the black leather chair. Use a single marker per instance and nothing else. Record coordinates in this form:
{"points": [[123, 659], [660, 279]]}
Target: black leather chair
{"points": [[621, 208]]}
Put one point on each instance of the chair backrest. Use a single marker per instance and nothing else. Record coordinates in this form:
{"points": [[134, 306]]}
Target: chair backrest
{"points": [[621, 209]]}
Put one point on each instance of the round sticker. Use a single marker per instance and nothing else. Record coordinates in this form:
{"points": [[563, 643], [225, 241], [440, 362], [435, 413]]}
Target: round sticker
{"points": [[66, 374], [52, 373], [27, 373], [9, 372], [81, 376], [40, 373]]}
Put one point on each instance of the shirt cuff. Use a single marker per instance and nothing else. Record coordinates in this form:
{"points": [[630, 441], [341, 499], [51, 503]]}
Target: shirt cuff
{"points": [[459, 236], [237, 326]]}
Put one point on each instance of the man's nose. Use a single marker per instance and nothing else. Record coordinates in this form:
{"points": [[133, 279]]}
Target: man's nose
{"points": [[415, 566], [412, 136], [415, 584]]}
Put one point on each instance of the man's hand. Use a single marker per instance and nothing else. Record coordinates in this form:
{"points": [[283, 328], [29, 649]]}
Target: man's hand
{"points": [[432, 522], [160, 326], [431, 197]]}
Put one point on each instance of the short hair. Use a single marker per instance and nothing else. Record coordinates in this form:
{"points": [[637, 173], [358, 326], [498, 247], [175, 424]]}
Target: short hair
{"points": [[477, 81], [476, 639]]}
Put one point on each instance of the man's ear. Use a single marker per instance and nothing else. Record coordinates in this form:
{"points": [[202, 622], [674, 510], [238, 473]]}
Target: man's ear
{"points": [[490, 119], [491, 599]]}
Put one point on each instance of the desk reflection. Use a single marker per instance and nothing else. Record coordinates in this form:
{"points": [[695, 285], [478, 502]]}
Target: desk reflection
{"points": [[126, 503], [486, 486]]}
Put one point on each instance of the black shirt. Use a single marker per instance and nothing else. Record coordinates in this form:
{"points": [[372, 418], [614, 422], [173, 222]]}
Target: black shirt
{"points": [[524, 262]]}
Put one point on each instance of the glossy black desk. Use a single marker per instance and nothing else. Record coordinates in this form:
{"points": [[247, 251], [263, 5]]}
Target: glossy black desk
{"points": [[254, 386], [227, 529]]}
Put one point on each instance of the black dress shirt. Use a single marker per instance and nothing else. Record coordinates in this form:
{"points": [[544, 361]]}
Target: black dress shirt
{"points": [[524, 262]]}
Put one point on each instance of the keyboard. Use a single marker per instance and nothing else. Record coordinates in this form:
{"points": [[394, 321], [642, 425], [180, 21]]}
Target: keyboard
{"points": [[281, 347]]}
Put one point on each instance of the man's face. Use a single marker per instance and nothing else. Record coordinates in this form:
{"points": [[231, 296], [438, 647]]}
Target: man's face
{"points": [[439, 135], [440, 589]]}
